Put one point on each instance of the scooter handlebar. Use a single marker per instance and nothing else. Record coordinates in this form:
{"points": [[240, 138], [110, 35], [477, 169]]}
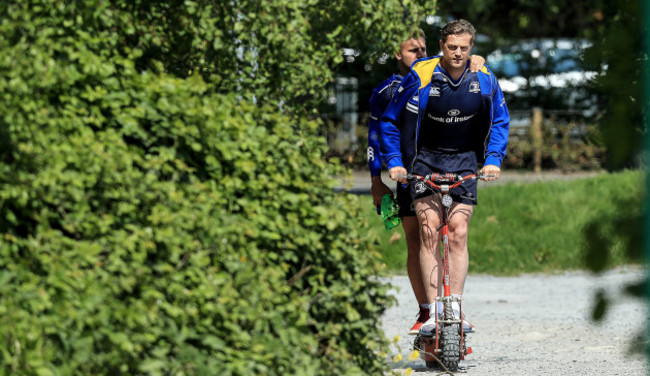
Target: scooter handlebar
{"points": [[445, 177]]}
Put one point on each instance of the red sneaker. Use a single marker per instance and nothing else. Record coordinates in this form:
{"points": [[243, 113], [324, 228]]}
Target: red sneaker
{"points": [[423, 316]]}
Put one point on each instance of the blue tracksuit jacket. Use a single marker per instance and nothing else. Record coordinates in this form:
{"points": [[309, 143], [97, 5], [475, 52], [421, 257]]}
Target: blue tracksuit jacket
{"points": [[381, 96], [400, 123]]}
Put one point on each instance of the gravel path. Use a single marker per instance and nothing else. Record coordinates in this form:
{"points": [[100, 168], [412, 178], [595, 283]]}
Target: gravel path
{"points": [[535, 325]]}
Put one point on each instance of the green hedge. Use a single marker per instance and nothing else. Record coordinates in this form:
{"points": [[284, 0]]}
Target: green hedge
{"points": [[150, 225]]}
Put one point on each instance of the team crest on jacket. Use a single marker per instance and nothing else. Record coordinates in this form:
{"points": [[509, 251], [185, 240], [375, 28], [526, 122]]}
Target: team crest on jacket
{"points": [[474, 87], [434, 91]]}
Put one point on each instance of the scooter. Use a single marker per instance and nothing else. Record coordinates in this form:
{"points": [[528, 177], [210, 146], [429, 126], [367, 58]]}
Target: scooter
{"points": [[448, 344]]}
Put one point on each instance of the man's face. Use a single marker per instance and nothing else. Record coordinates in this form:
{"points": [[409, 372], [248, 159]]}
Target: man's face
{"points": [[410, 51], [456, 50]]}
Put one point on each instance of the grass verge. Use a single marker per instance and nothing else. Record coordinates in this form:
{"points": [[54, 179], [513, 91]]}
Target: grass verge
{"points": [[537, 227]]}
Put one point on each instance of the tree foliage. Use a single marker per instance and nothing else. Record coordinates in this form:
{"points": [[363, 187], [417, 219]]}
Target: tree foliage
{"points": [[519, 19], [273, 51], [166, 208], [618, 50]]}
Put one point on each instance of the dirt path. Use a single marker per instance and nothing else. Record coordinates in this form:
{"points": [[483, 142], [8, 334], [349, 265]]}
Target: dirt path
{"points": [[535, 325]]}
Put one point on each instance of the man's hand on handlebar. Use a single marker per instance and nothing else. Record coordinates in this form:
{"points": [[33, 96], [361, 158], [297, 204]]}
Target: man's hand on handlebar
{"points": [[493, 171], [398, 174]]}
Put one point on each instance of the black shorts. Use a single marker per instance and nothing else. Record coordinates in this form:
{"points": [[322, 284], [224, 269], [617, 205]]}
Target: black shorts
{"points": [[463, 163], [405, 201]]}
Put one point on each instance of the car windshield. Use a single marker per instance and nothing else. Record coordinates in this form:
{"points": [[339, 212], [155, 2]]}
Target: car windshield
{"points": [[541, 57], [506, 65], [564, 60]]}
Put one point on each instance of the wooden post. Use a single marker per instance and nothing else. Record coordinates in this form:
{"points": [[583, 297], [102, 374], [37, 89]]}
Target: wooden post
{"points": [[536, 134]]}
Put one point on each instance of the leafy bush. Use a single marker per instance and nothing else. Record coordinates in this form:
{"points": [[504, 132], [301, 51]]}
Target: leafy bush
{"points": [[153, 225]]}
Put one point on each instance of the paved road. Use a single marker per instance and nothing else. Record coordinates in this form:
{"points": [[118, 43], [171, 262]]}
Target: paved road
{"points": [[535, 325]]}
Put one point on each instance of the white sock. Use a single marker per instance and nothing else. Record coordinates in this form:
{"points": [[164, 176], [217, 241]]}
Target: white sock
{"points": [[456, 305], [425, 305], [432, 309]]}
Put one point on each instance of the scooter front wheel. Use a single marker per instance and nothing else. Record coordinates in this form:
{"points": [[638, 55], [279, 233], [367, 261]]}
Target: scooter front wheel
{"points": [[450, 346]]}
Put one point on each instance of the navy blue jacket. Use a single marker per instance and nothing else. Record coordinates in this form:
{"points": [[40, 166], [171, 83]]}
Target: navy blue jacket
{"points": [[399, 138], [381, 96]]}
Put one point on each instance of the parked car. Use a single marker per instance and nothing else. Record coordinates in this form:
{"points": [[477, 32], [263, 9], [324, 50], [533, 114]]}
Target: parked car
{"points": [[545, 73]]}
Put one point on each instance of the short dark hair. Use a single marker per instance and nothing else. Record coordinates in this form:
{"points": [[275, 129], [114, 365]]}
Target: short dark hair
{"points": [[417, 33], [457, 27]]}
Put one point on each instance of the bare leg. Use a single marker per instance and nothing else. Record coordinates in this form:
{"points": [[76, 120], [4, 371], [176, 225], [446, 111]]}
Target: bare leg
{"points": [[428, 214], [412, 234], [458, 252]]}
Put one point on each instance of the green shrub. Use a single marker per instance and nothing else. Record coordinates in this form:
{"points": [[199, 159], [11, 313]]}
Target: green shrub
{"points": [[150, 225], [165, 238]]}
